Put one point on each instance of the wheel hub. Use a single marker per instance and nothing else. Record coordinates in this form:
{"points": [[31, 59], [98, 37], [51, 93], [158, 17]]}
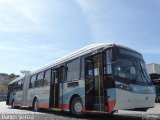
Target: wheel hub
{"points": [[78, 107]]}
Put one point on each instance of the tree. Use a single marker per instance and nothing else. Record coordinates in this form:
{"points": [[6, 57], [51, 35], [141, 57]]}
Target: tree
{"points": [[4, 85], [24, 72], [3, 89], [13, 76]]}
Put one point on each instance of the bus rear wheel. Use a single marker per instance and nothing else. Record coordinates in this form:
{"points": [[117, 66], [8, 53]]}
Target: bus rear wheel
{"points": [[77, 107], [35, 105]]}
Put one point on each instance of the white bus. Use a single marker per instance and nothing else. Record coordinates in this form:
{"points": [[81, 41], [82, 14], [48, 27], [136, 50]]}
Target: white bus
{"points": [[96, 78]]}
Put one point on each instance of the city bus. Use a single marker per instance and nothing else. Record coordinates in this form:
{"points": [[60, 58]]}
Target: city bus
{"points": [[99, 78]]}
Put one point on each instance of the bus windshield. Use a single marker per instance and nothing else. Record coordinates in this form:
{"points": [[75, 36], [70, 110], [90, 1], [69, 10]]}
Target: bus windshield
{"points": [[131, 66]]}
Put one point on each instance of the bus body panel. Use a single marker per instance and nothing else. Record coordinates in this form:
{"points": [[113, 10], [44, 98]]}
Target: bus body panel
{"points": [[42, 94], [143, 97], [44, 103], [25, 89], [10, 98], [111, 99], [70, 90], [30, 97], [15, 96], [18, 98]]}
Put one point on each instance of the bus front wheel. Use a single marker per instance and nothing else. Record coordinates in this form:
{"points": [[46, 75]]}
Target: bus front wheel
{"points": [[77, 107], [35, 105]]}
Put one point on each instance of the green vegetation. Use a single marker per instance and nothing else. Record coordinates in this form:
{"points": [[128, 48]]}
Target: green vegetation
{"points": [[5, 82]]}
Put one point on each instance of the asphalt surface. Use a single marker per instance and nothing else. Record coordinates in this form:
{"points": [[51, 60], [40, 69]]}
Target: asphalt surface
{"points": [[7, 113]]}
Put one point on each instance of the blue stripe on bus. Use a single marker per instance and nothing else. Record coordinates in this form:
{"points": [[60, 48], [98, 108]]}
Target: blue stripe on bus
{"points": [[66, 97], [111, 93]]}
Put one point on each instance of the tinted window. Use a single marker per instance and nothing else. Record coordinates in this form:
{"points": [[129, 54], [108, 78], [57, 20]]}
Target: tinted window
{"points": [[40, 78], [126, 69], [47, 77], [107, 65], [10, 87], [82, 68], [19, 85], [32, 81], [130, 65], [89, 67], [73, 71], [73, 65], [15, 86], [22, 81], [62, 74], [122, 52]]}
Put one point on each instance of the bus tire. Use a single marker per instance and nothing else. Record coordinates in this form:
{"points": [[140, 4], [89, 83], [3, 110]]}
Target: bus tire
{"points": [[77, 107], [35, 105]]}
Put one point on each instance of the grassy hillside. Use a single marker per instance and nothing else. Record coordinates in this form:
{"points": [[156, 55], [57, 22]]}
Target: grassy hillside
{"points": [[4, 85]]}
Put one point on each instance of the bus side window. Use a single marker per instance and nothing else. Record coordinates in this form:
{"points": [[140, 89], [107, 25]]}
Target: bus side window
{"points": [[89, 66], [16, 86], [73, 70], [62, 74], [32, 81], [108, 61], [47, 77], [40, 79], [13, 87], [19, 85], [22, 82], [82, 68], [10, 87]]}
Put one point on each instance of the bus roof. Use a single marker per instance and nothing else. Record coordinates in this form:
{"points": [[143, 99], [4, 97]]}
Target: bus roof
{"points": [[75, 54], [82, 51], [15, 80]]}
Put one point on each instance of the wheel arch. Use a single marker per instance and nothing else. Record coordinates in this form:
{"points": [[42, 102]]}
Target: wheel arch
{"points": [[72, 98]]}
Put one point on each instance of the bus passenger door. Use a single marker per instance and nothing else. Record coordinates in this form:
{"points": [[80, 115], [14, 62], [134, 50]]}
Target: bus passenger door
{"points": [[54, 89], [94, 84]]}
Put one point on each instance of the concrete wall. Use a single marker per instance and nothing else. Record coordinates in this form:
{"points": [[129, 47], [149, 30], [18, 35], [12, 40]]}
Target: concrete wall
{"points": [[153, 68]]}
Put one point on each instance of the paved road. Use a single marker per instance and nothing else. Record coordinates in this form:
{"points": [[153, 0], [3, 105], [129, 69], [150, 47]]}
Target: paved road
{"points": [[7, 113]]}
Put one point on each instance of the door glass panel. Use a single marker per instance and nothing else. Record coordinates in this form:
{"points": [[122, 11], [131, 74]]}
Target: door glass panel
{"points": [[94, 83], [53, 77]]}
